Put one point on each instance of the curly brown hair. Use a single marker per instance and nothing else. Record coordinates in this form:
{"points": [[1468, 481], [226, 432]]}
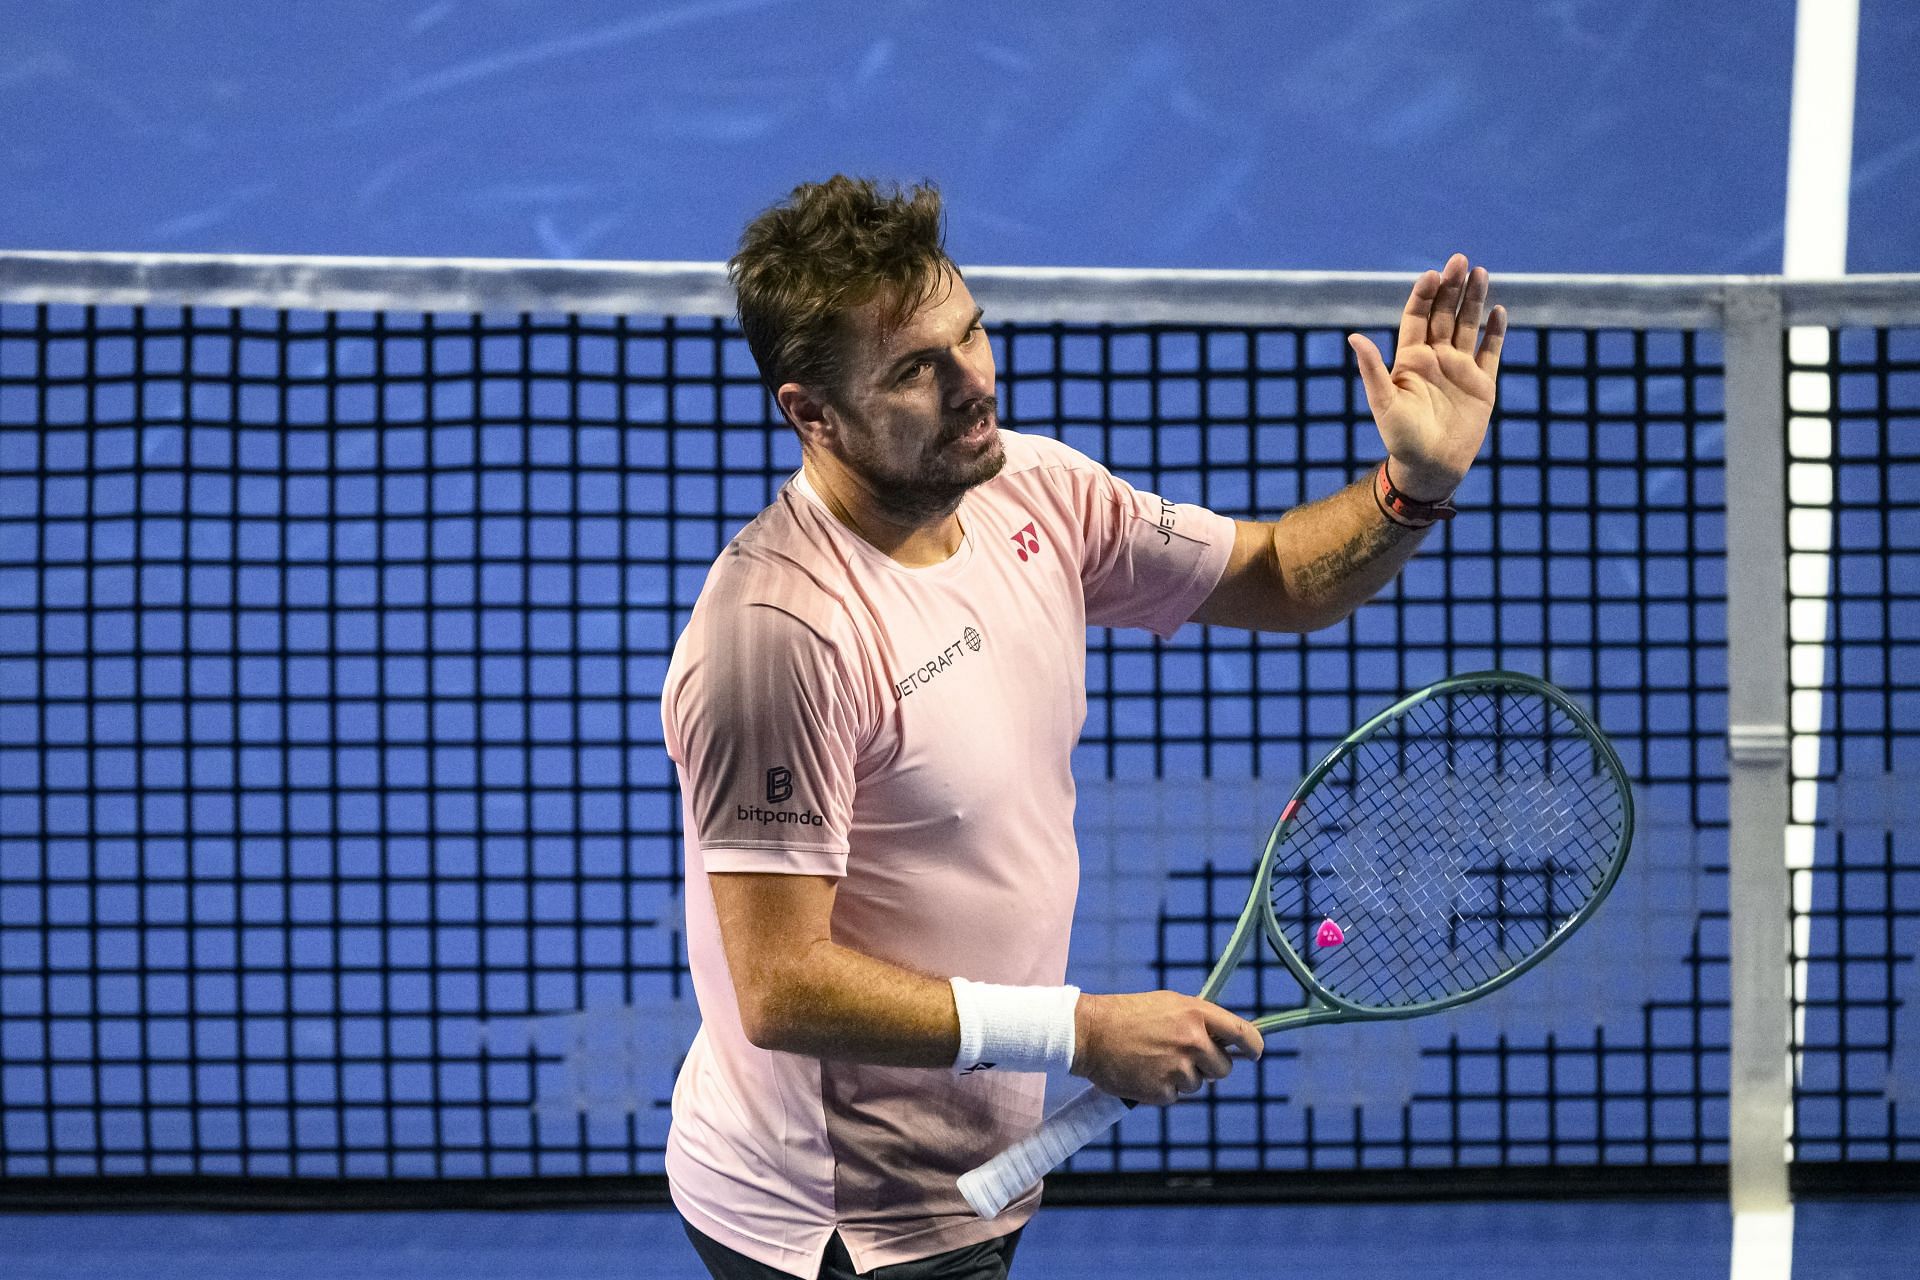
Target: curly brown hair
{"points": [[829, 249]]}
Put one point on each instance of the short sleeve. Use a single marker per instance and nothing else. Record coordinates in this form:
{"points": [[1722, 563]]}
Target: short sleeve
{"points": [[761, 722], [1147, 562]]}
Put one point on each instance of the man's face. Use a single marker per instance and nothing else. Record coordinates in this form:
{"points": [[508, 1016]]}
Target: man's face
{"points": [[916, 410]]}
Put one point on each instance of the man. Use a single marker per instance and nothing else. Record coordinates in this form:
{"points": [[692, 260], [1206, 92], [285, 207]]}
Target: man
{"points": [[873, 710]]}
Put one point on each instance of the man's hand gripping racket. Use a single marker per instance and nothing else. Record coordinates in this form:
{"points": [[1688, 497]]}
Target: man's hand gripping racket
{"points": [[1447, 846]]}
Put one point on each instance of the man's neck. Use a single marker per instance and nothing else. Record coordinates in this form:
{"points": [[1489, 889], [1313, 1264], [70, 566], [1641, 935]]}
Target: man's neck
{"points": [[916, 544]]}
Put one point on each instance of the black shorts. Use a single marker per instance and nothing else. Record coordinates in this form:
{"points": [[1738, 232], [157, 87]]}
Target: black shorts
{"points": [[989, 1260]]}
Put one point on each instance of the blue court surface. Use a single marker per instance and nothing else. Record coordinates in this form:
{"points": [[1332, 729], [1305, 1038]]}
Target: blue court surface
{"points": [[1562, 1240]]}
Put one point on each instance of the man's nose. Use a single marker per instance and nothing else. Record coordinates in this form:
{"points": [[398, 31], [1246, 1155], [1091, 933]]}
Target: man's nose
{"points": [[972, 376]]}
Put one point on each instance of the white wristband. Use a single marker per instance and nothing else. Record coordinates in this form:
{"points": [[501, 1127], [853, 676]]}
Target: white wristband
{"points": [[1014, 1028]]}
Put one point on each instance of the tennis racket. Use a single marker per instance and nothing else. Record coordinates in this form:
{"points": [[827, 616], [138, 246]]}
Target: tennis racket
{"points": [[1444, 848]]}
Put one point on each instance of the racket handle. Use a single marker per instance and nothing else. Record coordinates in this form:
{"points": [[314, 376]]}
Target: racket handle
{"points": [[1005, 1178]]}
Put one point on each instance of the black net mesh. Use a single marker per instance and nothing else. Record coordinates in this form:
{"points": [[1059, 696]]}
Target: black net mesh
{"points": [[1596, 564], [1853, 444], [336, 837]]}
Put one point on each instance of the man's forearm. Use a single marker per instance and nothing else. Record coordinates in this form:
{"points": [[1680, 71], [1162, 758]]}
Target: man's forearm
{"points": [[832, 1002], [1336, 554], [799, 992], [1313, 566], [1150, 1046]]}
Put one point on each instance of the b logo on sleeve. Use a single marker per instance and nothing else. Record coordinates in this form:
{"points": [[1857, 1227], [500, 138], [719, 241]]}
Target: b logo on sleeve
{"points": [[779, 791]]}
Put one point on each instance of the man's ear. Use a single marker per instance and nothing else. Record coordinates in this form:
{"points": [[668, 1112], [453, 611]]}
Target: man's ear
{"points": [[806, 409]]}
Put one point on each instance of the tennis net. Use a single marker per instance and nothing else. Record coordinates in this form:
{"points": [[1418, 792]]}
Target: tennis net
{"points": [[337, 840]]}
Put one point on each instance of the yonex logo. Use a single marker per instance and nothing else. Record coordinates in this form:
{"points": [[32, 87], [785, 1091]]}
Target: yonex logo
{"points": [[979, 1066], [1027, 541]]}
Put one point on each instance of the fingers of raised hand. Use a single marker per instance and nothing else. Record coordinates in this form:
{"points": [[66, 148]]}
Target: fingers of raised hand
{"points": [[1414, 320], [1374, 375], [1489, 358], [1473, 301], [1446, 302]]}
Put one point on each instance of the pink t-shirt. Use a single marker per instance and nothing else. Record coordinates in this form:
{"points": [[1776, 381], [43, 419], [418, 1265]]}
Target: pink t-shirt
{"points": [[909, 732]]}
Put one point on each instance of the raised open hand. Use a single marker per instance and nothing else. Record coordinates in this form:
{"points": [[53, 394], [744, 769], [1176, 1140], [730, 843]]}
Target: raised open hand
{"points": [[1433, 406]]}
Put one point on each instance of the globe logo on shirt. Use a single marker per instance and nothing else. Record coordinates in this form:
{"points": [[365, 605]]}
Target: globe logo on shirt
{"points": [[922, 675]]}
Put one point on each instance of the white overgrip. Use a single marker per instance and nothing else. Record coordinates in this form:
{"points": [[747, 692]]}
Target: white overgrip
{"points": [[1005, 1178]]}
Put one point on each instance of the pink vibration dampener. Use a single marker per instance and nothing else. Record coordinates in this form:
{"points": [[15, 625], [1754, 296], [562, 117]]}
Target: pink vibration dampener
{"points": [[1329, 934]]}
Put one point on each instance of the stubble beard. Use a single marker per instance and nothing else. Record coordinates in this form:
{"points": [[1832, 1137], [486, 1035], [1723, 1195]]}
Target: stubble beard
{"points": [[933, 486]]}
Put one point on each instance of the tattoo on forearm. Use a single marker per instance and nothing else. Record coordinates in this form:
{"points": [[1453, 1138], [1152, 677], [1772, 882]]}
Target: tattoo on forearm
{"points": [[1326, 575]]}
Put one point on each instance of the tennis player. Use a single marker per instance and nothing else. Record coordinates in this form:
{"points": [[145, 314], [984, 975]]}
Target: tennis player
{"points": [[873, 710]]}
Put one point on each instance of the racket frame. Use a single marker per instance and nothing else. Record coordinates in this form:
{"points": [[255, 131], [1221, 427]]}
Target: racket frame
{"points": [[1322, 1005]]}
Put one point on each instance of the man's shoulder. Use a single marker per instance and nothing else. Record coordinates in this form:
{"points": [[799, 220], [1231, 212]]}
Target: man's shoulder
{"points": [[1043, 474], [1029, 454], [784, 561]]}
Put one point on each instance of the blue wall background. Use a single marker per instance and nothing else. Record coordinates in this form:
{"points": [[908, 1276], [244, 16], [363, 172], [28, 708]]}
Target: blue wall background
{"points": [[1583, 135]]}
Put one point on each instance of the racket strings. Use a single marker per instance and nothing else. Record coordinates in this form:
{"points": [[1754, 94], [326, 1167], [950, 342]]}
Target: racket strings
{"points": [[1451, 844]]}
